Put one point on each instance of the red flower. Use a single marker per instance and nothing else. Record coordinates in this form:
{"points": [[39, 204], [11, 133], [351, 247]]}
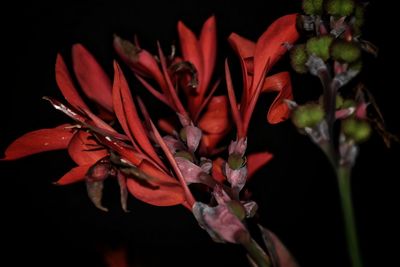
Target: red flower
{"points": [[257, 60], [192, 74]]}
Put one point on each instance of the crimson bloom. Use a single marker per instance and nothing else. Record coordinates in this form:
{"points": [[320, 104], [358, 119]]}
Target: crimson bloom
{"points": [[256, 60], [192, 74]]}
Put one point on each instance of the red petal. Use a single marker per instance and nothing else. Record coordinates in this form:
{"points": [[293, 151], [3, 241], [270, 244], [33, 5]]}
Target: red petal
{"points": [[133, 122], [76, 174], [191, 50], [216, 118], [168, 193], [256, 161], [39, 141], [66, 85], [217, 172], [92, 78], [269, 48], [237, 118], [84, 150], [208, 44], [245, 49], [279, 110]]}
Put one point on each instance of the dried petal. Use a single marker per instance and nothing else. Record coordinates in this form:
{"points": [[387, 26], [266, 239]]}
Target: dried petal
{"points": [[193, 173], [95, 193]]}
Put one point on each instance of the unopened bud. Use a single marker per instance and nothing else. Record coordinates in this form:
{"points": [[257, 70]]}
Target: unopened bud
{"points": [[358, 130], [313, 7], [298, 58], [340, 8], [344, 51], [237, 209], [308, 115], [185, 155], [319, 46], [235, 161]]}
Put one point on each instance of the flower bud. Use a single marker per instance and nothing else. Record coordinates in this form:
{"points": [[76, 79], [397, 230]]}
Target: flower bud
{"points": [[340, 8], [344, 51], [358, 130], [298, 58], [313, 7], [308, 115], [319, 46], [235, 161], [237, 209], [185, 155]]}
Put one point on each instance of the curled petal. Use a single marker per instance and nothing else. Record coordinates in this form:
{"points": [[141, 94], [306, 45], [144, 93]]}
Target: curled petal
{"points": [[193, 173], [251, 208], [279, 110], [220, 223], [76, 174], [256, 161], [206, 165], [39, 141], [91, 76]]}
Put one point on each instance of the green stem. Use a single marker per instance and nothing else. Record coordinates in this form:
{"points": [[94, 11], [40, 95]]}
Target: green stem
{"points": [[256, 253], [343, 175]]}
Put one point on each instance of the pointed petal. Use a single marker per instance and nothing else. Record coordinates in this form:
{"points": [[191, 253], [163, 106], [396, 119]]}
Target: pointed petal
{"points": [[237, 118], [208, 45], [92, 78], [84, 150], [168, 192], [279, 110], [256, 161], [245, 50], [75, 175], [39, 141], [133, 122], [66, 85], [191, 51], [193, 137], [279, 254]]}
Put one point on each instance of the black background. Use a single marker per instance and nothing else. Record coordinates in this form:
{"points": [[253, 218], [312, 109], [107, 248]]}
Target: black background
{"points": [[47, 225]]}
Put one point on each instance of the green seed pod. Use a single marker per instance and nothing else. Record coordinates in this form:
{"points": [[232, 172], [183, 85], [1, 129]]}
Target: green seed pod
{"points": [[358, 130], [348, 103], [340, 8], [319, 46], [183, 134], [184, 154], [308, 115], [313, 7], [298, 58], [235, 161], [344, 51], [237, 208]]}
